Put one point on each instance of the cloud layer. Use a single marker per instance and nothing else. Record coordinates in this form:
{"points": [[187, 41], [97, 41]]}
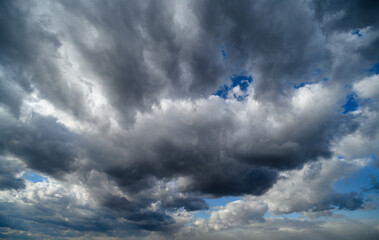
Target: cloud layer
{"points": [[136, 112]]}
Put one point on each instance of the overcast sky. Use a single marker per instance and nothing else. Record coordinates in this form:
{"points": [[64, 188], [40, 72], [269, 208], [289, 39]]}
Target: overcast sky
{"points": [[189, 119]]}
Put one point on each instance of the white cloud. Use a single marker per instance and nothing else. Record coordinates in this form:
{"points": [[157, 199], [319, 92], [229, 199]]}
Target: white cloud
{"points": [[368, 87]]}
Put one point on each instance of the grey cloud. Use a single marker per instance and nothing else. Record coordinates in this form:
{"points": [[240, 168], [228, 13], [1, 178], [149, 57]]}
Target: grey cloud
{"points": [[284, 48], [368, 129], [133, 212], [189, 204], [342, 201], [8, 171], [10, 96], [30, 60], [147, 56], [41, 142], [144, 54], [54, 216], [349, 201], [51, 209], [205, 173], [140, 54], [349, 15], [280, 229], [212, 154], [235, 182], [310, 190]]}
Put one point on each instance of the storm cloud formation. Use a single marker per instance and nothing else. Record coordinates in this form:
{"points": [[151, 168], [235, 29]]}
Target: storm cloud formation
{"points": [[137, 112]]}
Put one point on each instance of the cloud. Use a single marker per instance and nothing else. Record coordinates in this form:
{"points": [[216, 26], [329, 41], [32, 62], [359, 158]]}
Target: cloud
{"points": [[10, 174], [234, 214], [115, 104], [309, 191], [347, 15], [341, 16], [297, 229], [41, 142], [363, 141], [311, 188], [368, 87]]}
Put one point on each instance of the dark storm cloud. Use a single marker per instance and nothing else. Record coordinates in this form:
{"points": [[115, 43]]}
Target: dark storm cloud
{"points": [[210, 152], [146, 55], [148, 220], [207, 171], [13, 51], [277, 39], [8, 178], [351, 16], [233, 181], [140, 53], [189, 203], [28, 54], [51, 216], [41, 142]]}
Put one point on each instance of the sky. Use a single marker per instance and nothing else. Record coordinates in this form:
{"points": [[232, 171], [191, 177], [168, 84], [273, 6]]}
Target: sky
{"points": [[189, 119]]}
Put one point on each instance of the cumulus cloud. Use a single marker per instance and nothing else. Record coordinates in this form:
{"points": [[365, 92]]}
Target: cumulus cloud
{"points": [[137, 111], [309, 191], [41, 142]]}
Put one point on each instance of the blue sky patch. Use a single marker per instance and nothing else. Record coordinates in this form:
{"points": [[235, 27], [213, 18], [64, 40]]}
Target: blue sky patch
{"points": [[222, 92], [351, 104], [214, 202], [221, 201], [357, 33], [300, 85], [361, 180], [204, 214], [241, 80], [33, 177]]}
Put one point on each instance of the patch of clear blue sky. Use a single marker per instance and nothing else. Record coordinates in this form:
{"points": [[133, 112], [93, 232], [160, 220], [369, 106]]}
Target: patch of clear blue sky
{"points": [[222, 201], [300, 85], [359, 181], [33, 177], [357, 33], [351, 103], [242, 80], [363, 182], [215, 202]]}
